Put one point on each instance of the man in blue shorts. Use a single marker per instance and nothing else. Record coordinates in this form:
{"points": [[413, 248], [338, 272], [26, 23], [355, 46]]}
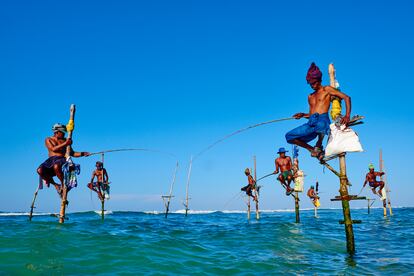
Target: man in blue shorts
{"points": [[318, 119]]}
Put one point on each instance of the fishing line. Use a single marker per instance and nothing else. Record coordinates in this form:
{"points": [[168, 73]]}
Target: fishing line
{"points": [[233, 198], [239, 131]]}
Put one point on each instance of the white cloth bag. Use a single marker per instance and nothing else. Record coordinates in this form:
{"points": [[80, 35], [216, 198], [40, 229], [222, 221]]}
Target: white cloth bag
{"points": [[342, 139]]}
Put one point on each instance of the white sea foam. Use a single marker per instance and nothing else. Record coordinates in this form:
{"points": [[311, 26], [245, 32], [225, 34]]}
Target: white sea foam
{"points": [[107, 212], [23, 214]]}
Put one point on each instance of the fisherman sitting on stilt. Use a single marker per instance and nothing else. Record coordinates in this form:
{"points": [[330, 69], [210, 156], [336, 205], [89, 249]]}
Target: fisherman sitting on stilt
{"points": [[284, 164], [371, 178], [318, 119], [56, 146], [313, 195], [250, 186], [101, 186]]}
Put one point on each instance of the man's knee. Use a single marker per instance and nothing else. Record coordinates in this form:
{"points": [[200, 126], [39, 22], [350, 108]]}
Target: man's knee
{"points": [[289, 138], [40, 171], [57, 168]]}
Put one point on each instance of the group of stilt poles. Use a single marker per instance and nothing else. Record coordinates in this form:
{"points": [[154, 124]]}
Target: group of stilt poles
{"points": [[256, 193]]}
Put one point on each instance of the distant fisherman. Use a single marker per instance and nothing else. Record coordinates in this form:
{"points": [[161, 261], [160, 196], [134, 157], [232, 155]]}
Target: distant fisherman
{"points": [[312, 194], [250, 186], [284, 164], [56, 146], [101, 186], [371, 178], [318, 123]]}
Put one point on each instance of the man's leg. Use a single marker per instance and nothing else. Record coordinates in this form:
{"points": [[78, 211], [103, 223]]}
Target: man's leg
{"points": [[58, 171], [302, 144], [46, 177], [381, 185], [93, 188], [282, 180], [320, 140]]}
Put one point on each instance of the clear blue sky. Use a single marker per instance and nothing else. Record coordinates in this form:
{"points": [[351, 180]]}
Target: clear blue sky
{"points": [[177, 75]]}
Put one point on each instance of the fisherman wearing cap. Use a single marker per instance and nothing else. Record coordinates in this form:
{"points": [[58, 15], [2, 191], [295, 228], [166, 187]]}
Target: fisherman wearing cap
{"points": [[318, 119], [284, 164], [250, 186], [101, 186], [371, 178], [56, 146]]}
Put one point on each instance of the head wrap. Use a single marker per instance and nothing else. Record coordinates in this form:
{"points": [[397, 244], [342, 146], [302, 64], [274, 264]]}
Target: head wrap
{"points": [[99, 163], [314, 74], [58, 127], [247, 171], [371, 166]]}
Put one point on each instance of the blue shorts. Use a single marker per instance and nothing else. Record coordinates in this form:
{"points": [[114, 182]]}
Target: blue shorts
{"points": [[317, 124]]}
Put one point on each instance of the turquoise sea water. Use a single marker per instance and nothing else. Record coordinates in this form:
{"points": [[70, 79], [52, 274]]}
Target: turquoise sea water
{"points": [[212, 243]]}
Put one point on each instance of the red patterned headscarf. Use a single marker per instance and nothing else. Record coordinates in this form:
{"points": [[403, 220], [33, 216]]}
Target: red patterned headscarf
{"points": [[314, 74]]}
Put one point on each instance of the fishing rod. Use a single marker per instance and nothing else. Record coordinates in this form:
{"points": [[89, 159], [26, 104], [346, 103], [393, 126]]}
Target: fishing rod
{"points": [[239, 131], [267, 175], [134, 149]]}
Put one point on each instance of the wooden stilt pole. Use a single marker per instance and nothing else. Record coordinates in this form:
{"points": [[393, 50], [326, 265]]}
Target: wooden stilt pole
{"points": [[315, 212], [187, 187], [256, 193], [384, 202], [33, 203], [383, 178], [248, 208], [103, 182], [369, 205], [349, 231], [64, 201], [297, 207], [167, 204]]}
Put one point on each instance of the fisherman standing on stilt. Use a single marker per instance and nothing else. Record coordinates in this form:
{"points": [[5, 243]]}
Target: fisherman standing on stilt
{"points": [[318, 119], [56, 146], [284, 164], [251, 186], [101, 186], [371, 178]]}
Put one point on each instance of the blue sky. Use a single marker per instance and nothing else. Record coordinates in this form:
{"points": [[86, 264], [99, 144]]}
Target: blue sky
{"points": [[178, 75]]}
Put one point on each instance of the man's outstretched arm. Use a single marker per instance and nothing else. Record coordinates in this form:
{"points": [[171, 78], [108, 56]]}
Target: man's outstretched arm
{"points": [[334, 92]]}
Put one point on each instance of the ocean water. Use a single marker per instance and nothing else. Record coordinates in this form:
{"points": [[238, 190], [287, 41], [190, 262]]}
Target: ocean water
{"points": [[207, 243]]}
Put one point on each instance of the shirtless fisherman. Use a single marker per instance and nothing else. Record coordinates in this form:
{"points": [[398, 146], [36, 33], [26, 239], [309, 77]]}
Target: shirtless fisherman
{"points": [[284, 164], [101, 185], [56, 147], [371, 178], [250, 186], [312, 194], [318, 123]]}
